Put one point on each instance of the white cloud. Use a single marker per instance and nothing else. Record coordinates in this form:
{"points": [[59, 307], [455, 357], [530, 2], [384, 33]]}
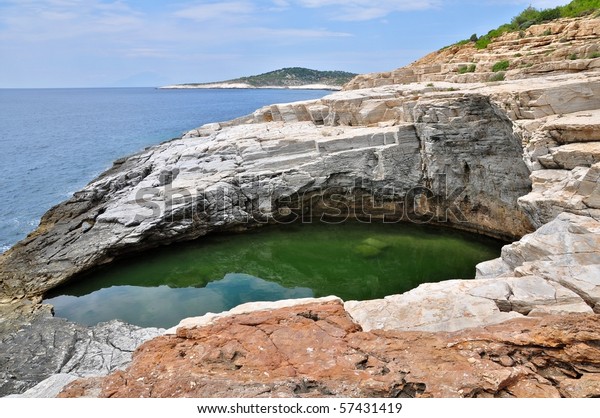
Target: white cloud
{"points": [[216, 11], [47, 20], [293, 33], [362, 10]]}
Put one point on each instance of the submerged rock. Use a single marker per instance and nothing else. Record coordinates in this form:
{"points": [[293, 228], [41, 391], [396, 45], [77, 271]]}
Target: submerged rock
{"points": [[365, 250]]}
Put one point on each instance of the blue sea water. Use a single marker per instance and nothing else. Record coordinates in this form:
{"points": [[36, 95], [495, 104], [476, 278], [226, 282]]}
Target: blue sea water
{"points": [[54, 141]]}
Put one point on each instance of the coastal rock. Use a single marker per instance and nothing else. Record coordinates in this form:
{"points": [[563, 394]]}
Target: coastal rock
{"points": [[565, 251], [48, 388], [574, 127], [449, 159], [245, 308], [401, 152], [50, 346], [557, 191], [445, 306], [569, 156], [459, 304], [316, 350]]}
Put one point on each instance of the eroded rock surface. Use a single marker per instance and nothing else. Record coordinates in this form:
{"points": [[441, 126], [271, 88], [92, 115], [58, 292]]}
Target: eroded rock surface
{"points": [[317, 350], [49, 346], [565, 251], [446, 158]]}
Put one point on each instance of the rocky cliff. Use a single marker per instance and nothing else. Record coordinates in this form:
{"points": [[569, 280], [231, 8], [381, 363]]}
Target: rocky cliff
{"points": [[517, 159], [564, 46], [400, 153]]}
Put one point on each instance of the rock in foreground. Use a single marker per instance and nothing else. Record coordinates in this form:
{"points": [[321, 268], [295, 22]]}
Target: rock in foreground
{"points": [[316, 350], [57, 349]]}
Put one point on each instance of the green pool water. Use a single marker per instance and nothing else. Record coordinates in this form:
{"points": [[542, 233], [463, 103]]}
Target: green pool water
{"points": [[214, 274]]}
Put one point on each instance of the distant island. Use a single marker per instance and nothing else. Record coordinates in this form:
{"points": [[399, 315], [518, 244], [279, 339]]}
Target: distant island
{"points": [[285, 78]]}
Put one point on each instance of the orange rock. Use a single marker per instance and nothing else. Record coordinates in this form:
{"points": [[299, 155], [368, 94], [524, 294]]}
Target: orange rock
{"points": [[316, 350]]}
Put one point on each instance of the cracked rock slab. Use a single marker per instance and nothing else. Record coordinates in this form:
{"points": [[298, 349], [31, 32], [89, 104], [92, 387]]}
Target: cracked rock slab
{"points": [[50, 346], [565, 251], [316, 350]]}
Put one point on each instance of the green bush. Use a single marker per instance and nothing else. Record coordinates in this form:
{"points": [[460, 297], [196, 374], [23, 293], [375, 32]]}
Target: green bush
{"points": [[463, 42], [579, 8], [483, 42], [466, 69], [573, 56], [501, 66], [528, 16], [497, 77], [531, 16], [547, 15], [594, 55]]}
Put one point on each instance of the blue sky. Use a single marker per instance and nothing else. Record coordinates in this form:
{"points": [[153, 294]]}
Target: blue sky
{"points": [[100, 43]]}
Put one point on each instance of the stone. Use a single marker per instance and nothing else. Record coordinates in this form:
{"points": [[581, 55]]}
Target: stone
{"points": [[556, 191], [574, 127], [249, 307], [50, 346], [454, 305], [315, 350], [444, 306], [578, 154], [564, 251], [48, 388]]}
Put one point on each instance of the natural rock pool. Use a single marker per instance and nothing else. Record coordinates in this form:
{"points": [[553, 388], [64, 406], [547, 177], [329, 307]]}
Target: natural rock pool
{"points": [[353, 261]]}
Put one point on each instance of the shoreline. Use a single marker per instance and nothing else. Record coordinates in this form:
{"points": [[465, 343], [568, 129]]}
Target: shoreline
{"points": [[245, 86]]}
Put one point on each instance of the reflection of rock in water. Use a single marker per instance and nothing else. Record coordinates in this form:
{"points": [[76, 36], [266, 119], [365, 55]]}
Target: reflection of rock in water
{"points": [[238, 288], [164, 306]]}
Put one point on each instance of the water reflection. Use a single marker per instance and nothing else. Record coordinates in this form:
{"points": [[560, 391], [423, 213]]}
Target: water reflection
{"points": [[352, 261], [164, 306]]}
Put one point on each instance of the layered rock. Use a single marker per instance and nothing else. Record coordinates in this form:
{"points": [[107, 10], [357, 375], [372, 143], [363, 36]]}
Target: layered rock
{"points": [[316, 350], [399, 152], [393, 153]]}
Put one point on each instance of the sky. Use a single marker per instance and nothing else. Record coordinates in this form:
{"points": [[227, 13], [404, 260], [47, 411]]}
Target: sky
{"points": [[106, 43]]}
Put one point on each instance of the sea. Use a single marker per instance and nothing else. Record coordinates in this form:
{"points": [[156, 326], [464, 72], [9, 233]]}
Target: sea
{"points": [[55, 141]]}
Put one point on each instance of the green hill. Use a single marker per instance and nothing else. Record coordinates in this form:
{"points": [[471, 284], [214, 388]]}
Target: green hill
{"points": [[290, 77]]}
